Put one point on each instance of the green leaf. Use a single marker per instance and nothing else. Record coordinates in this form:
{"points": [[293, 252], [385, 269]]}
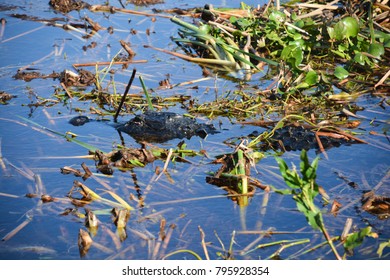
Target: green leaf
{"points": [[362, 59], [282, 166], [351, 26], [331, 32], [308, 170], [341, 73], [339, 31], [346, 28], [355, 239], [314, 219], [387, 43], [376, 49], [311, 78], [297, 54], [359, 58], [277, 17], [293, 55]]}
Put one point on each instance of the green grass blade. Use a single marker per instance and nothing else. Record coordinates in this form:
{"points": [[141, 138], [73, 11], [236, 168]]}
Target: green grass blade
{"points": [[150, 105]]}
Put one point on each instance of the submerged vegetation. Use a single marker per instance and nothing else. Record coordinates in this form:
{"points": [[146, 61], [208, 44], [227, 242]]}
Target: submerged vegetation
{"points": [[316, 60]]}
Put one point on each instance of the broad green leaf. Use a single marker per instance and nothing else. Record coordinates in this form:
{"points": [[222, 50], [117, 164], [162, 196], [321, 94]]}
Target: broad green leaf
{"points": [[341, 73], [277, 17], [299, 23], [297, 54], [359, 58], [331, 32], [308, 170], [233, 19], [387, 43], [298, 41], [362, 59], [339, 31], [311, 78], [283, 192], [282, 166], [376, 49], [351, 26], [355, 239]]}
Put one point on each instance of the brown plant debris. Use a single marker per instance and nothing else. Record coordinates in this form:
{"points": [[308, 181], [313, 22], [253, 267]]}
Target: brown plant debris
{"points": [[27, 76], [145, 2], [76, 172], [128, 49], [91, 222], [84, 241], [86, 194], [82, 78], [376, 205], [123, 158], [66, 6], [120, 217], [47, 198], [4, 97]]}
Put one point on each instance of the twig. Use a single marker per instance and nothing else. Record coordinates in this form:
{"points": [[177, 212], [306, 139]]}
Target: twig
{"points": [[317, 6], [66, 90], [202, 236], [167, 239], [76, 65], [9, 235], [22, 34], [2, 164], [3, 22], [124, 95], [165, 165], [111, 9], [322, 150], [228, 28], [316, 12], [127, 48], [347, 228], [330, 242], [195, 59], [381, 81]]}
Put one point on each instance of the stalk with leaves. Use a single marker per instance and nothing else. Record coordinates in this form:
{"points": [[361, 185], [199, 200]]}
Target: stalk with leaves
{"points": [[304, 189]]}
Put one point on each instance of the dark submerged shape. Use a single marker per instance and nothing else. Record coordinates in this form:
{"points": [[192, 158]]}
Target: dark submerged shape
{"points": [[160, 127], [79, 120], [296, 138]]}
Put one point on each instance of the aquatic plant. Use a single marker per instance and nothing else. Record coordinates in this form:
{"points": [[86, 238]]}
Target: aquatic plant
{"points": [[304, 190]]}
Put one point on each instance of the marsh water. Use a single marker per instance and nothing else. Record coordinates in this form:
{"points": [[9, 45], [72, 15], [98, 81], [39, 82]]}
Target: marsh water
{"points": [[32, 157]]}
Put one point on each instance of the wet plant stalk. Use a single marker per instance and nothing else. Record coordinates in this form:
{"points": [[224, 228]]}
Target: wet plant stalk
{"points": [[241, 171], [125, 94]]}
